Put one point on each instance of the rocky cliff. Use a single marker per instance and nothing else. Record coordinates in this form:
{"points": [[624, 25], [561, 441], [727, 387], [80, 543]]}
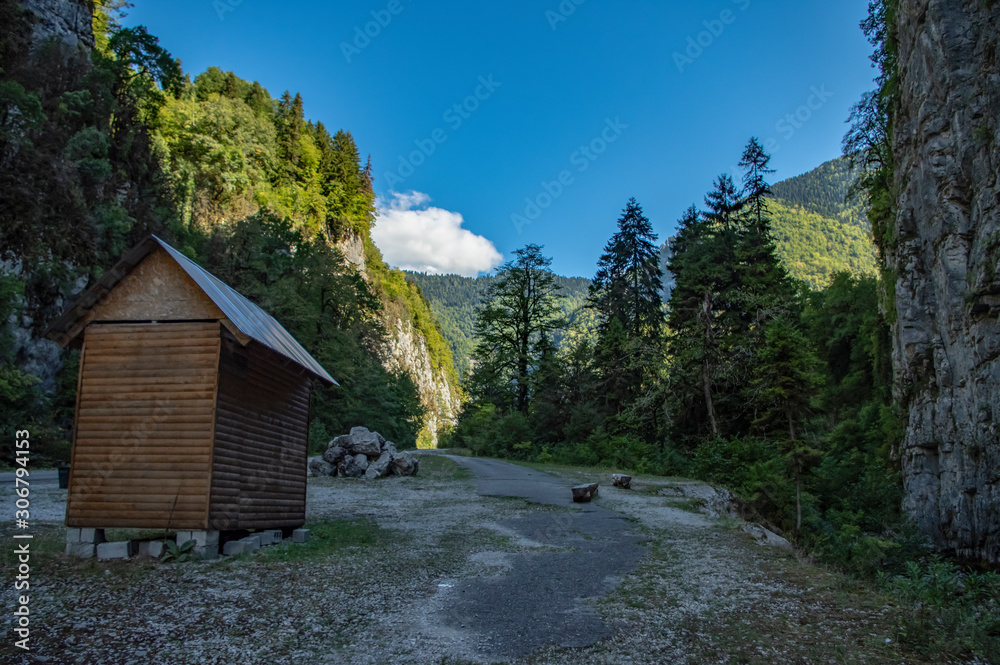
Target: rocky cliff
{"points": [[408, 352], [66, 21], [946, 257]]}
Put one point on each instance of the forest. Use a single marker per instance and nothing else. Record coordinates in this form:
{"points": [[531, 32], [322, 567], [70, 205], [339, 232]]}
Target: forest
{"points": [[101, 148], [751, 350], [747, 377]]}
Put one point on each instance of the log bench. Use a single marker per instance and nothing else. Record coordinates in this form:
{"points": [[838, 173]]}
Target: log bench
{"points": [[584, 493]]}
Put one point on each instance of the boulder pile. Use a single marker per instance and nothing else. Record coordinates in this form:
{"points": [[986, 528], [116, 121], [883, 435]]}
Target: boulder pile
{"points": [[363, 454]]}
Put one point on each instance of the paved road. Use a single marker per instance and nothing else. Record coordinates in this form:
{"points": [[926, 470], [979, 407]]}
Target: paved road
{"points": [[542, 598], [44, 477]]}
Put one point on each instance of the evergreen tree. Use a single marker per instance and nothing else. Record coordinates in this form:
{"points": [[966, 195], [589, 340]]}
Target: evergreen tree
{"points": [[520, 309], [629, 278], [693, 344], [626, 296]]}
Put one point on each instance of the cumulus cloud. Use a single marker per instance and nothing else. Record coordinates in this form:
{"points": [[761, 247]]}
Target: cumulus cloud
{"points": [[415, 236]]}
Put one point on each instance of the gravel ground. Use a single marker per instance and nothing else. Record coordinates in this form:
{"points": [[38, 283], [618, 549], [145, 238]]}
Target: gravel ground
{"points": [[382, 589]]}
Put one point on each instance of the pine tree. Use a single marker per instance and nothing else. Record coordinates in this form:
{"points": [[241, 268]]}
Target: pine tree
{"points": [[625, 294], [520, 309], [629, 278]]}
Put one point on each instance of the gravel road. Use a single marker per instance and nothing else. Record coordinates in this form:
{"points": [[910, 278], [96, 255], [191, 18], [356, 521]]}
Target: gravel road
{"points": [[445, 569], [541, 596]]}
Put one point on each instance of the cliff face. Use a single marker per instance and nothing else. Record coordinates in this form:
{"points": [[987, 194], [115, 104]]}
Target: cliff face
{"points": [[947, 260], [67, 21], [408, 352]]}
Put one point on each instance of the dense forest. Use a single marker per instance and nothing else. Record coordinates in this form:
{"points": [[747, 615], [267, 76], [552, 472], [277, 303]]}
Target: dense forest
{"points": [[101, 146], [455, 300], [817, 229], [747, 377]]}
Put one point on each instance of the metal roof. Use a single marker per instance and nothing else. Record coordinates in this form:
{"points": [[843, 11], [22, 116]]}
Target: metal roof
{"points": [[247, 317]]}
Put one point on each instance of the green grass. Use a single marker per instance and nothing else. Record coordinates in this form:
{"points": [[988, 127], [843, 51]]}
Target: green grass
{"points": [[436, 467], [325, 540]]}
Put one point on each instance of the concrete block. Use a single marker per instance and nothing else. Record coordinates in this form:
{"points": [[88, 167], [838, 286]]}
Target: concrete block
{"points": [[206, 553], [233, 547], [121, 549], [300, 536], [251, 543], [201, 538], [269, 537], [81, 550], [153, 548], [95, 536], [72, 536]]}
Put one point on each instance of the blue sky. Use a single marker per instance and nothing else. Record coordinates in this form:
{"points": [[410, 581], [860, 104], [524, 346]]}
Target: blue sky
{"points": [[534, 122]]}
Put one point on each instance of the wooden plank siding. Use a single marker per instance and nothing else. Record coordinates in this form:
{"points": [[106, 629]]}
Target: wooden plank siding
{"points": [[261, 440], [142, 449]]}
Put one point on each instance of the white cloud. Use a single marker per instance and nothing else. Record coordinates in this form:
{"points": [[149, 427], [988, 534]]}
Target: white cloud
{"points": [[414, 236]]}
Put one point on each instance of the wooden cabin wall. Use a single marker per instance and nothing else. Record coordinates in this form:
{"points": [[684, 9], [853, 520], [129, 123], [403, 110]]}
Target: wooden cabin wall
{"points": [[261, 440], [142, 447]]}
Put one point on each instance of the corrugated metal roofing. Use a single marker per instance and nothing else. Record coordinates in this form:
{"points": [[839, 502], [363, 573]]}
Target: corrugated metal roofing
{"points": [[248, 317]]}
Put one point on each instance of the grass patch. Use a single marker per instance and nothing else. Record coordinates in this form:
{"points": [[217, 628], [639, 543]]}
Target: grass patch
{"points": [[437, 467], [326, 539]]}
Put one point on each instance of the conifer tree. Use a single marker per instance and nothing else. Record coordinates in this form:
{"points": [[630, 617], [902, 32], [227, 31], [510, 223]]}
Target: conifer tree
{"points": [[520, 309]]}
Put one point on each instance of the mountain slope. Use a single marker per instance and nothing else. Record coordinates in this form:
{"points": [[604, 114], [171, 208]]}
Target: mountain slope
{"points": [[454, 300], [817, 232]]}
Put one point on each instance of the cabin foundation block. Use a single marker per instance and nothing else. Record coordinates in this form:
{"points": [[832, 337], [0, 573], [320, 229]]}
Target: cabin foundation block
{"points": [[121, 549], [300, 536], [206, 543]]}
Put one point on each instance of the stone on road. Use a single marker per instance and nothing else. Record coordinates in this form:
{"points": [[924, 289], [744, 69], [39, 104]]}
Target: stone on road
{"points": [[578, 556]]}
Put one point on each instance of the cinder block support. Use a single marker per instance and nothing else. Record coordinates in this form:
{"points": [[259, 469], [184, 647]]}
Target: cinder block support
{"points": [[300, 536], [153, 548], [206, 543], [233, 547], [83, 542], [269, 537], [251, 543], [121, 549]]}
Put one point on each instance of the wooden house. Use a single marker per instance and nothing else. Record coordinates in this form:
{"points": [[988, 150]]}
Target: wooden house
{"points": [[192, 404]]}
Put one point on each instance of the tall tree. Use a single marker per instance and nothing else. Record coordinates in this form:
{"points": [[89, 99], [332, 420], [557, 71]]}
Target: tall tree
{"points": [[625, 294], [629, 278], [520, 309]]}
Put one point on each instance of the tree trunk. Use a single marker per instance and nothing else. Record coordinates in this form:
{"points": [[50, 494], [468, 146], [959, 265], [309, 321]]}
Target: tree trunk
{"points": [[706, 380], [798, 503]]}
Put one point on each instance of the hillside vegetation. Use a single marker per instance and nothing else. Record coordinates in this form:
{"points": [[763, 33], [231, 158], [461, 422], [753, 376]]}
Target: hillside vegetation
{"points": [[101, 148]]}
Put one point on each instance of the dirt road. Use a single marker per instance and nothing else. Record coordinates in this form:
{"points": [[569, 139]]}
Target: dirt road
{"points": [[445, 569]]}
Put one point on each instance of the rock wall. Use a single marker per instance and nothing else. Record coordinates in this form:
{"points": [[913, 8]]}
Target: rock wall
{"points": [[68, 21], [947, 260], [408, 352]]}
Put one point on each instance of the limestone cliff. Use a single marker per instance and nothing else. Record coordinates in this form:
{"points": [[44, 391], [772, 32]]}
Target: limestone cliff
{"points": [[946, 257], [409, 352], [66, 21]]}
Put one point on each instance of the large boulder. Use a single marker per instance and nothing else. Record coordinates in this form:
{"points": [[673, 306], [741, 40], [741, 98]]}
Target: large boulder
{"points": [[404, 464], [365, 442], [320, 467], [355, 465], [379, 467], [334, 454], [390, 447]]}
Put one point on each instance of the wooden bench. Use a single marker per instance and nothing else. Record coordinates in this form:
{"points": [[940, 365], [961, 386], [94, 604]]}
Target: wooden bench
{"points": [[584, 493]]}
